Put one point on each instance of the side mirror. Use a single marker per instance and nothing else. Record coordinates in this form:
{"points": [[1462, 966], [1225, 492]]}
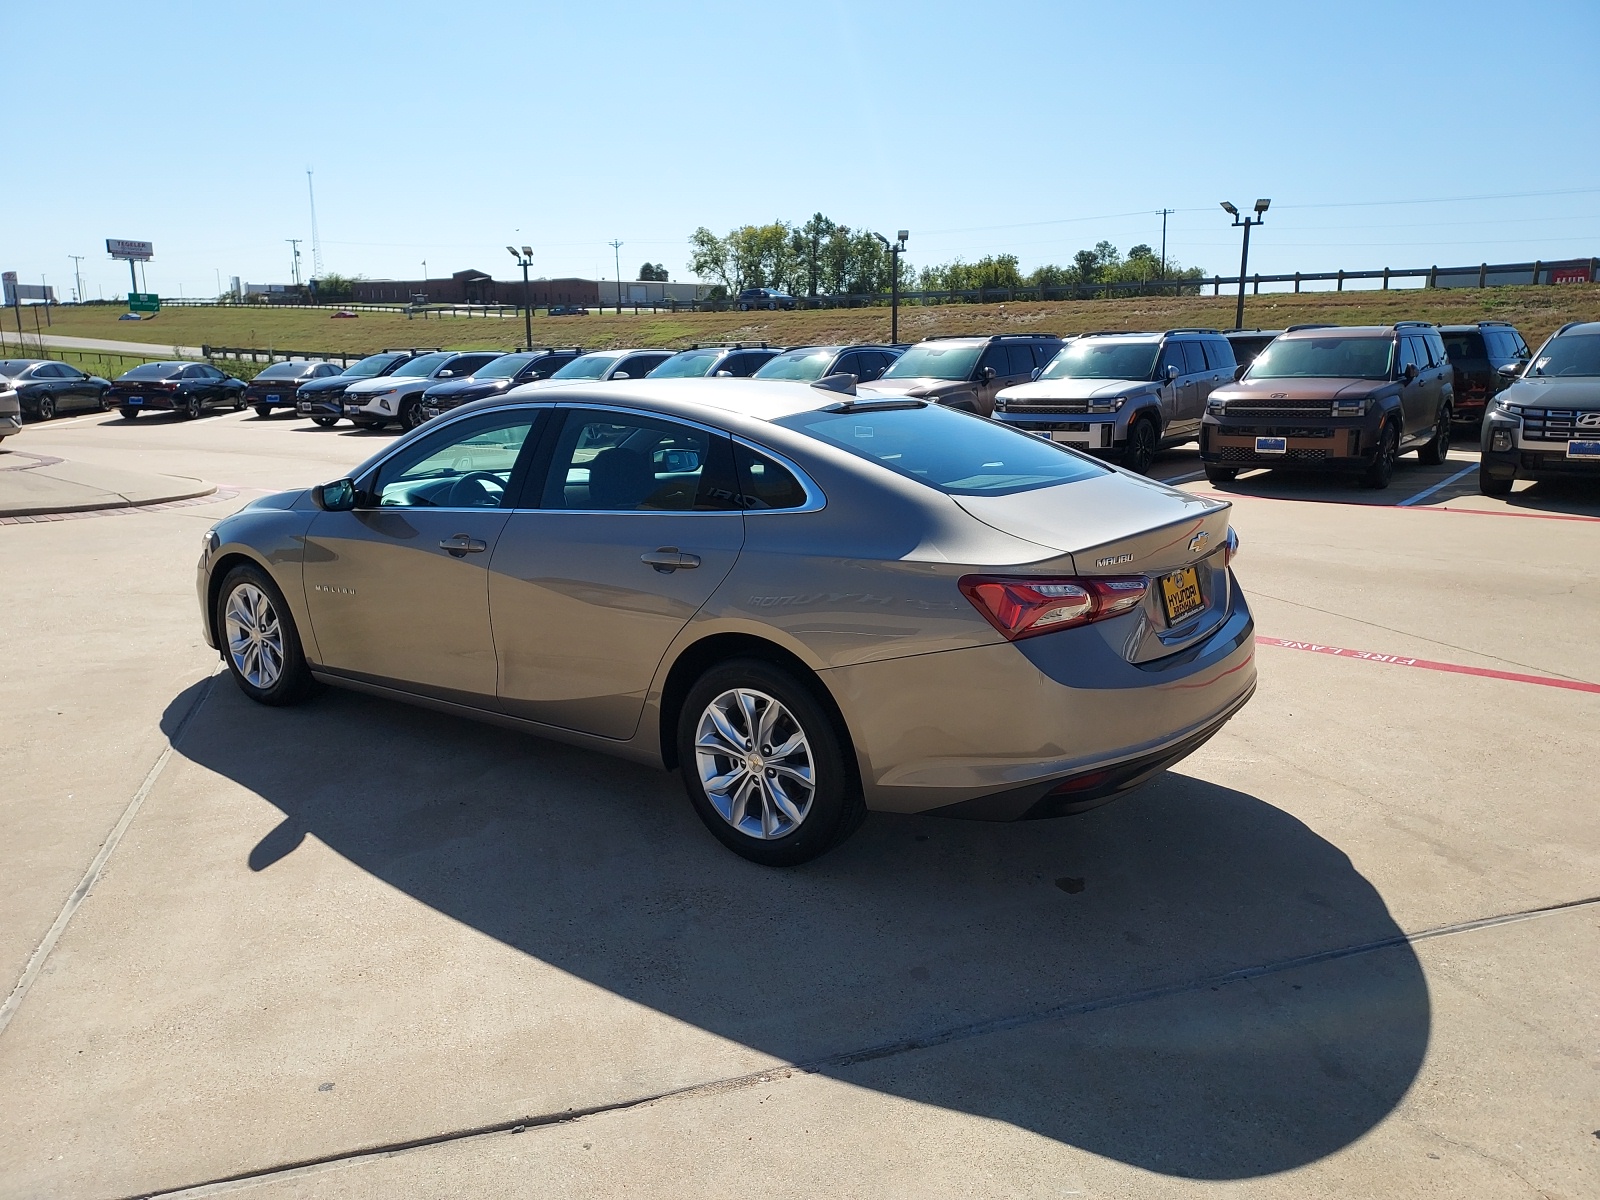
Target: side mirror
{"points": [[1511, 370], [989, 374], [1409, 373], [622, 375], [1239, 369], [445, 375], [724, 375], [338, 496], [1172, 374], [1037, 371]]}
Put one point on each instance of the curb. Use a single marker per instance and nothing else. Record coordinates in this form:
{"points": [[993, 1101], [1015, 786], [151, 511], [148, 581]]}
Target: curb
{"points": [[210, 494]]}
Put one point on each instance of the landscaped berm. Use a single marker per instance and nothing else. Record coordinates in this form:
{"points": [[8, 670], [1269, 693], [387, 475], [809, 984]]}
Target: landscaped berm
{"points": [[1536, 311]]}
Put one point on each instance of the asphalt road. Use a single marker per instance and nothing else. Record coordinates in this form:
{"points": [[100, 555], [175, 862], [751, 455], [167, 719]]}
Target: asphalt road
{"points": [[1351, 947]]}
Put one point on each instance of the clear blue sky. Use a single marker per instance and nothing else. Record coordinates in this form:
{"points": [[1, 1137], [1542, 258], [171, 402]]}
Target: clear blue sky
{"points": [[1385, 134]]}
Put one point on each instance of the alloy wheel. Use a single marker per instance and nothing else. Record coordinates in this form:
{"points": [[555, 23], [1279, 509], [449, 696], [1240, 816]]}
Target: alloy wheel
{"points": [[255, 636], [755, 764], [47, 408], [1141, 451]]}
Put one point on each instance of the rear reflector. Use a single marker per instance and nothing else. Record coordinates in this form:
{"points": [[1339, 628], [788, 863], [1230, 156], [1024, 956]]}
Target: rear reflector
{"points": [[1022, 606]]}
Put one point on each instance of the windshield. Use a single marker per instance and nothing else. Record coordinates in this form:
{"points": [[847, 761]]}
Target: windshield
{"points": [[1575, 354], [288, 370], [372, 365], [951, 451], [155, 371], [936, 360], [422, 366], [803, 365], [504, 367], [587, 366], [1090, 359], [1324, 358], [688, 365]]}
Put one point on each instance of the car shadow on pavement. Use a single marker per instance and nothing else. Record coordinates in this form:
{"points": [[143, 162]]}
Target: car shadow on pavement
{"points": [[1566, 497], [1071, 977]]}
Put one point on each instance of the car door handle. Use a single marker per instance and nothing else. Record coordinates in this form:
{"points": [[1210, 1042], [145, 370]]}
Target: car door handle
{"points": [[669, 559], [461, 544]]}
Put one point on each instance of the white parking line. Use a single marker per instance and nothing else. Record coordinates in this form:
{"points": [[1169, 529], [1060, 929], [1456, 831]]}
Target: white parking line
{"points": [[1423, 495]]}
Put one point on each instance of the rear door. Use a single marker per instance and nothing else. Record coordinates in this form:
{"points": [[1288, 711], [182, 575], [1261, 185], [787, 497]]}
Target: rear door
{"points": [[1199, 378], [635, 526]]}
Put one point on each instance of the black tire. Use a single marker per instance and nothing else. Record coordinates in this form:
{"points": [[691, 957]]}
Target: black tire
{"points": [[293, 683], [263, 410], [835, 808], [1378, 475], [193, 406], [1222, 474], [324, 422], [128, 414], [1438, 449], [45, 409], [1144, 439], [411, 415], [1490, 486]]}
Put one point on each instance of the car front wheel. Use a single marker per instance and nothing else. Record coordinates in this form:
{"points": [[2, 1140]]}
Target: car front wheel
{"points": [[259, 641], [1490, 486], [46, 408], [1438, 449], [1143, 441], [765, 765], [1221, 474], [411, 415], [1378, 475], [324, 422]]}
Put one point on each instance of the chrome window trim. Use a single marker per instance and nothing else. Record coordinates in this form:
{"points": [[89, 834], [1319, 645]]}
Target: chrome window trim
{"points": [[815, 501]]}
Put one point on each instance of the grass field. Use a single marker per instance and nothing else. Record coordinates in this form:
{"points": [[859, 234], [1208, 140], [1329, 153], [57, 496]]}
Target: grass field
{"points": [[1536, 311]]}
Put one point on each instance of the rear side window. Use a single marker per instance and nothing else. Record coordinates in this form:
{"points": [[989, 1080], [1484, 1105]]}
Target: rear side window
{"points": [[616, 462], [765, 483], [954, 452], [1466, 347], [1195, 358], [1021, 359]]}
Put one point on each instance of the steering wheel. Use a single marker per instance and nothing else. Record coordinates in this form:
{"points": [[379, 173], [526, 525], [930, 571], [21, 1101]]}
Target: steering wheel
{"points": [[475, 489]]}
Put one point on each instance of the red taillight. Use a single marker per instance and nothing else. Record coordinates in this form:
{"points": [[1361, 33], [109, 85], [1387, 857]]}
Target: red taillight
{"points": [[1021, 606], [1230, 547]]}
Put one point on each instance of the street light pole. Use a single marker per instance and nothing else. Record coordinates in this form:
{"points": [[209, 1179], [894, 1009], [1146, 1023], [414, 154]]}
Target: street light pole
{"points": [[1244, 223], [525, 260], [895, 249]]}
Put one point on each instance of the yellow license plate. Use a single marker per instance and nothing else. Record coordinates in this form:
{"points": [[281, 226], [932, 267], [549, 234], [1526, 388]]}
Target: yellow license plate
{"points": [[1180, 592]]}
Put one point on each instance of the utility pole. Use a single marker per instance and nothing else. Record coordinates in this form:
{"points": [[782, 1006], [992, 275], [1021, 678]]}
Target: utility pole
{"points": [[316, 241], [616, 254], [525, 260], [1244, 256], [77, 278], [295, 262], [1165, 213]]}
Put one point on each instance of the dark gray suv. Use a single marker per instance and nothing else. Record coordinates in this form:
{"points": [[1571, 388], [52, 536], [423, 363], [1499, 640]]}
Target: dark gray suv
{"points": [[967, 372]]}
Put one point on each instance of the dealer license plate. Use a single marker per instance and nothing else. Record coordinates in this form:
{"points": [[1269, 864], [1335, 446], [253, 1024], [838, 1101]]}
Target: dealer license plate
{"points": [[304, 406], [272, 399], [1272, 445], [132, 400], [1583, 450], [1180, 593]]}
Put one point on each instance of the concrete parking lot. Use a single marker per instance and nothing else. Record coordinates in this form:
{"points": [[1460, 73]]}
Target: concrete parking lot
{"points": [[1350, 948]]}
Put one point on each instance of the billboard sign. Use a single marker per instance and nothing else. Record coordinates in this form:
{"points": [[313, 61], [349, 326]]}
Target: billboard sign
{"points": [[1569, 274], [12, 292], [122, 248]]}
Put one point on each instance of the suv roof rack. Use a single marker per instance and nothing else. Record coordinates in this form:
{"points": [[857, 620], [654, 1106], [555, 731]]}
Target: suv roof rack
{"points": [[727, 346], [1309, 325], [1119, 333], [1194, 329], [985, 337], [411, 350], [1415, 325]]}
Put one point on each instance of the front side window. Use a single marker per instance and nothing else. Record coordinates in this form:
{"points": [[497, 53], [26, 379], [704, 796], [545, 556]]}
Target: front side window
{"points": [[371, 366], [951, 451], [800, 365], [1336, 357], [585, 366], [936, 360], [467, 465], [1092, 358], [1171, 356], [504, 367], [617, 462], [422, 366]]}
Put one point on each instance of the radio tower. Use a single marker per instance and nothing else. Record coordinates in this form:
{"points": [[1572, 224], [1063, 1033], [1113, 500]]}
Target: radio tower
{"points": [[316, 242]]}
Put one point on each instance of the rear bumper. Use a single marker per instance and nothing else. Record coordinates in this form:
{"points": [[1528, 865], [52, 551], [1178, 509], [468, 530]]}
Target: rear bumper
{"points": [[1335, 444], [158, 403], [989, 731]]}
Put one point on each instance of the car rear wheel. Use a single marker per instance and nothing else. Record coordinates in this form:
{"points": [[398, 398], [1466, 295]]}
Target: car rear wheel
{"points": [[192, 406], [411, 415], [45, 408], [765, 765], [1143, 441], [1490, 486], [1378, 475], [259, 640], [263, 410], [1222, 474], [1437, 450], [325, 422]]}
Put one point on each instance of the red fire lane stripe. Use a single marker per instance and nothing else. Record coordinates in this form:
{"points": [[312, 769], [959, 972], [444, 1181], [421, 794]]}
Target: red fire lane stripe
{"points": [[1396, 660]]}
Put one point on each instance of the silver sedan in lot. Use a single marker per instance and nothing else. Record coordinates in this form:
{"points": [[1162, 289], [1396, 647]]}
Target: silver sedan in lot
{"points": [[811, 603]]}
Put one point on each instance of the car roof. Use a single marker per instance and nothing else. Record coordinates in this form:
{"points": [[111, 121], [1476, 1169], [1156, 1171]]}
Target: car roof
{"points": [[751, 401], [1581, 328], [1359, 331]]}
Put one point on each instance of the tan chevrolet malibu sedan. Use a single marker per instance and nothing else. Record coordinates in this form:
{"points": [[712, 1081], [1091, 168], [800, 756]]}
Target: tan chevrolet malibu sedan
{"points": [[809, 602]]}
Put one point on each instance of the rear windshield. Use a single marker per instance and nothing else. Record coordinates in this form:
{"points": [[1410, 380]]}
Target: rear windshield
{"points": [[936, 360], [1575, 354], [1464, 347], [155, 371], [370, 366], [422, 366], [587, 366], [802, 365], [288, 370], [1324, 358], [504, 367], [1090, 359], [13, 367], [691, 364], [954, 452]]}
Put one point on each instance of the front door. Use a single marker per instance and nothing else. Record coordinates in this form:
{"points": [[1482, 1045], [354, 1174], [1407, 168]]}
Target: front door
{"points": [[1415, 396], [398, 589], [637, 525]]}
